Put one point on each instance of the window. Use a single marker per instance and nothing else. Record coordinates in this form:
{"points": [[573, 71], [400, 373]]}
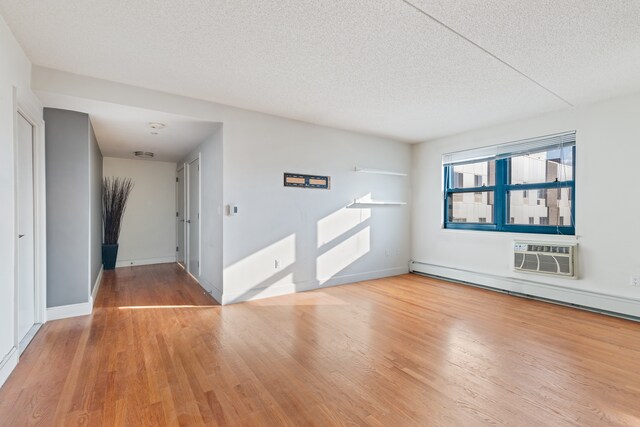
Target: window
{"points": [[527, 186], [467, 208]]}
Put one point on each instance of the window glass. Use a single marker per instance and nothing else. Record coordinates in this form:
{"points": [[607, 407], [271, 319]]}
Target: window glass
{"points": [[547, 210], [470, 175], [545, 166], [471, 207]]}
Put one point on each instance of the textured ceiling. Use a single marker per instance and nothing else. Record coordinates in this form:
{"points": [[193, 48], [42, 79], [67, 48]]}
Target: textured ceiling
{"points": [[411, 71], [583, 50], [121, 130]]}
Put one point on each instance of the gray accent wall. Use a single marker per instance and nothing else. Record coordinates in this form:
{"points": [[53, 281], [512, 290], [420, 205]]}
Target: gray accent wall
{"points": [[95, 188], [69, 156]]}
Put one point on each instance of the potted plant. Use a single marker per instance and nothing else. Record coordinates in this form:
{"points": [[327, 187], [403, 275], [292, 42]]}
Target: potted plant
{"points": [[115, 192]]}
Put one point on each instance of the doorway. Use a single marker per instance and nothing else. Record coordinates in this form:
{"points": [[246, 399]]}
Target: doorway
{"points": [[193, 218], [28, 295], [180, 219]]}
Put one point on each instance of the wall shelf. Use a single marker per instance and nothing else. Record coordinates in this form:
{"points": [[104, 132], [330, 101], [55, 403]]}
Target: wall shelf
{"points": [[374, 203], [379, 171]]}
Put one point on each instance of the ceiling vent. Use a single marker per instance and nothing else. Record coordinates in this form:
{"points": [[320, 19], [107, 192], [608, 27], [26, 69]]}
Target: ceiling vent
{"points": [[144, 154]]}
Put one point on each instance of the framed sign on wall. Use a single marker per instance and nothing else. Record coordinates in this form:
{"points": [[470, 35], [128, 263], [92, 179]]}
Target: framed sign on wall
{"points": [[306, 181]]}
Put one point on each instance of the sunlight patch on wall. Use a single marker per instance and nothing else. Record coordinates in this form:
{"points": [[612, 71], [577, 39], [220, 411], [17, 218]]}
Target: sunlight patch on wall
{"points": [[336, 259], [257, 268], [341, 221]]}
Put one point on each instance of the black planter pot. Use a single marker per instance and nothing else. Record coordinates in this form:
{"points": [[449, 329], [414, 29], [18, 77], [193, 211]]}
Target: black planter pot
{"points": [[109, 256]]}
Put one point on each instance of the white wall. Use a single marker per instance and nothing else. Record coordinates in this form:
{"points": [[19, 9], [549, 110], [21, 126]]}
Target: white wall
{"points": [[316, 240], [211, 212], [148, 229], [607, 206], [310, 233], [15, 72]]}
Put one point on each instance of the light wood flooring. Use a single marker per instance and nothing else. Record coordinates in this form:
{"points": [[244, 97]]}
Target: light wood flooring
{"points": [[401, 351]]}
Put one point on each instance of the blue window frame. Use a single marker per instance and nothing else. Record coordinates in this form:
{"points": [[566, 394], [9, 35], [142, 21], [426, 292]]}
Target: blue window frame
{"points": [[530, 189]]}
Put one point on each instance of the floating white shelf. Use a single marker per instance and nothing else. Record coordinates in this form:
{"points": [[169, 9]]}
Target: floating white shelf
{"points": [[379, 171], [374, 203]]}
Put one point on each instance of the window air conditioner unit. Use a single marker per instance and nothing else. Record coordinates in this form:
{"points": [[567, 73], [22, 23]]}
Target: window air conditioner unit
{"points": [[557, 259]]}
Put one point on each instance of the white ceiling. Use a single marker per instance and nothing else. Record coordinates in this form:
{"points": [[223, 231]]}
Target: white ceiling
{"points": [[121, 130], [408, 71]]}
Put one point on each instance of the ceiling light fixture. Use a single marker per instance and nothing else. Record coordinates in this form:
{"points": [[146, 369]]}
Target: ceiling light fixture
{"points": [[144, 154], [156, 125]]}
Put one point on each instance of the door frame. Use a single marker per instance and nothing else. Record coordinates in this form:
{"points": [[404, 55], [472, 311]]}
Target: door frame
{"points": [[188, 210], [181, 173], [28, 106]]}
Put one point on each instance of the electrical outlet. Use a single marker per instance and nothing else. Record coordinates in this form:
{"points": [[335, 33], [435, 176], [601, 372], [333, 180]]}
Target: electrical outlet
{"points": [[635, 280]]}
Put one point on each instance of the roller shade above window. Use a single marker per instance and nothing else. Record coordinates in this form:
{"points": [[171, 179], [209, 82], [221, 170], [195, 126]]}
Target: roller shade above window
{"points": [[510, 149]]}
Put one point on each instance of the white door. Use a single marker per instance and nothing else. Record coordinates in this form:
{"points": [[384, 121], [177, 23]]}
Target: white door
{"points": [[193, 218], [25, 221], [180, 220]]}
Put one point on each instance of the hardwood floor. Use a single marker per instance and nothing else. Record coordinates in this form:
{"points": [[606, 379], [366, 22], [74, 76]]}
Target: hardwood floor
{"points": [[401, 351]]}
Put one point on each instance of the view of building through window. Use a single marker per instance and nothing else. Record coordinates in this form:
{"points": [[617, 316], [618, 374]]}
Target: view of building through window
{"points": [[542, 207], [472, 175], [472, 207]]}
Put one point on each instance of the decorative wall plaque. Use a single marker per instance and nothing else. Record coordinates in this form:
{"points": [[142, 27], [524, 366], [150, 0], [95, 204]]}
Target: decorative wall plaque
{"points": [[306, 181]]}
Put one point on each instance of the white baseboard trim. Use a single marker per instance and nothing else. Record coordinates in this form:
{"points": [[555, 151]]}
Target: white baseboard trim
{"points": [[96, 286], [290, 288], [71, 310], [146, 261], [612, 304], [204, 284], [216, 294], [359, 277], [8, 364], [24, 342]]}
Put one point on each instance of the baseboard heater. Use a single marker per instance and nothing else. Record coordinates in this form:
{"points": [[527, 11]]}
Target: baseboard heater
{"points": [[531, 297]]}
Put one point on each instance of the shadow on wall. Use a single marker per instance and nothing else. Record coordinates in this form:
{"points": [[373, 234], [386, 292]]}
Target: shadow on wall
{"points": [[342, 238]]}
